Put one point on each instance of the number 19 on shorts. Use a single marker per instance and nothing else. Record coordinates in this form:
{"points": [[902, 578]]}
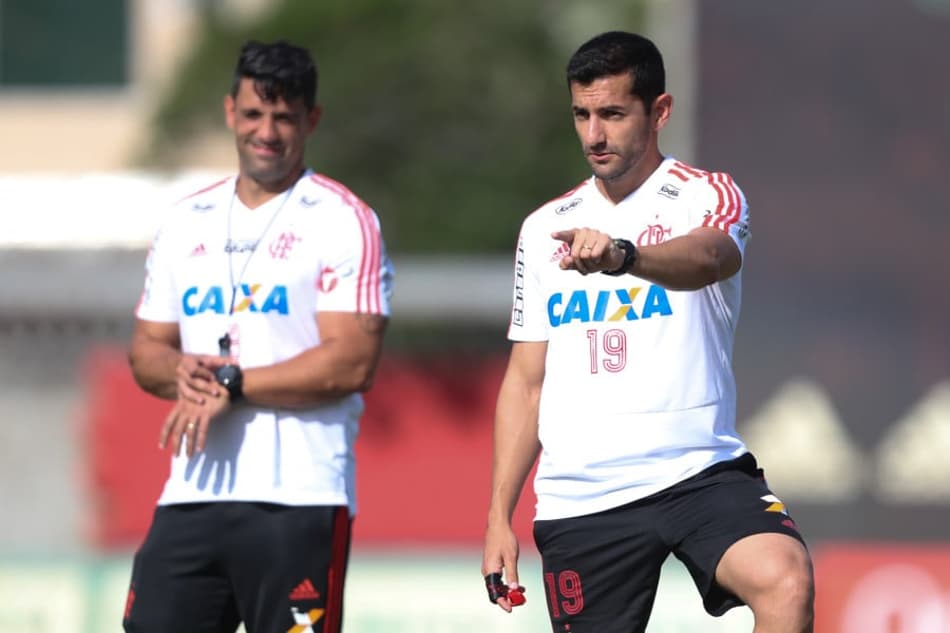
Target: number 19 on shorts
{"points": [[564, 592]]}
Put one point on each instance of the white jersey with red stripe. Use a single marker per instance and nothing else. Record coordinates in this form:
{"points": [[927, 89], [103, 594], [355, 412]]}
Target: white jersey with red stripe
{"points": [[638, 390], [316, 248]]}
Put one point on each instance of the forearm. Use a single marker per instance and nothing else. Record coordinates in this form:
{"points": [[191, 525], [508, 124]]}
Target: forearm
{"points": [[154, 365], [320, 374], [516, 447], [687, 262]]}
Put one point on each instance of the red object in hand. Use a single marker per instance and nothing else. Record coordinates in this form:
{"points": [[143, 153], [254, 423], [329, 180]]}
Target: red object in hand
{"points": [[497, 589], [516, 597]]}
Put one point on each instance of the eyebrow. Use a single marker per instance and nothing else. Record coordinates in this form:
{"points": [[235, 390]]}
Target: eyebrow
{"points": [[604, 108], [256, 110]]}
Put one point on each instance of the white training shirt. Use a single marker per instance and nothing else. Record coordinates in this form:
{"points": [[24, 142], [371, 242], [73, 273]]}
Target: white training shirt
{"points": [[314, 248], [638, 391]]}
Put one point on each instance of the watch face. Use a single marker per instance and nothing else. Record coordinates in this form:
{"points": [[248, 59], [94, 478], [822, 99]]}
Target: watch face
{"points": [[227, 374]]}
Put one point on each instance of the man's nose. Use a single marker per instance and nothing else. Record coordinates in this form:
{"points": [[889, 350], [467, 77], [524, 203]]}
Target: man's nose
{"points": [[267, 131], [594, 132]]}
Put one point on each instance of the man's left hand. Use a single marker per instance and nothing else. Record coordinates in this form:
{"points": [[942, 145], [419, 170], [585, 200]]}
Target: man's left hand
{"points": [[188, 422]]}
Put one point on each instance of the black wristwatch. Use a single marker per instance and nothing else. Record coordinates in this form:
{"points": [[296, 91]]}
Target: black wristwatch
{"points": [[231, 378], [629, 257]]}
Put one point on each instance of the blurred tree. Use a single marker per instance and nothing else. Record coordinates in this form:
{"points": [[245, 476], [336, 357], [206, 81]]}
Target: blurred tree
{"points": [[451, 120]]}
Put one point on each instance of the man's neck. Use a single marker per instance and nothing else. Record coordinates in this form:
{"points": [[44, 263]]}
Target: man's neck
{"points": [[617, 189], [253, 193]]}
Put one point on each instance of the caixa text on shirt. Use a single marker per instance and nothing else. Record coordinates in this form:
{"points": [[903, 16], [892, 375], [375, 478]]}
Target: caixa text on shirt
{"points": [[248, 298], [608, 305]]}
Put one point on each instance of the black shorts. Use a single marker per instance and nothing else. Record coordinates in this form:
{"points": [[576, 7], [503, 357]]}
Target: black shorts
{"points": [[601, 570], [206, 567]]}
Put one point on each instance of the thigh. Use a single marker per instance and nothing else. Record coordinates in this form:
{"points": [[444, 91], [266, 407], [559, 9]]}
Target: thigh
{"points": [[178, 584], [288, 564], [601, 571], [709, 514]]}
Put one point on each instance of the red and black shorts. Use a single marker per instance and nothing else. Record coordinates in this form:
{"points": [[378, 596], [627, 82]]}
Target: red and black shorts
{"points": [[601, 571], [206, 567]]}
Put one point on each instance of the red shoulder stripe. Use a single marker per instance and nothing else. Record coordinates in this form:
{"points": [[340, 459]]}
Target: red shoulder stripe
{"points": [[730, 204], [678, 174], [713, 219], [369, 280], [692, 171], [208, 188], [733, 192]]}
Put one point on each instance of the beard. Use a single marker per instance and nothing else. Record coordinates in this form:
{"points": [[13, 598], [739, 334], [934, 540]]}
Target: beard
{"points": [[265, 174], [613, 170], [620, 164], [265, 171]]}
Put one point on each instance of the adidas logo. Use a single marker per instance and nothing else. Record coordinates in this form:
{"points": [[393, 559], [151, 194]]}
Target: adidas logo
{"points": [[199, 250], [304, 591], [562, 251]]}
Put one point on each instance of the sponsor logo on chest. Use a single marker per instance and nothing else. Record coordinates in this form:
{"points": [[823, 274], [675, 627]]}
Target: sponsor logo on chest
{"points": [[622, 304], [247, 298]]}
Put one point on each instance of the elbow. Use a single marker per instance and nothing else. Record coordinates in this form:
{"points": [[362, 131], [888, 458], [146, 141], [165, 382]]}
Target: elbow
{"points": [[358, 380], [364, 373], [707, 268], [702, 271], [364, 379], [135, 365], [147, 381], [716, 260], [709, 272], [364, 386]]}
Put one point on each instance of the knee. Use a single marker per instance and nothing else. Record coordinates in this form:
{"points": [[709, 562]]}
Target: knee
{"points": [[785, 587]]}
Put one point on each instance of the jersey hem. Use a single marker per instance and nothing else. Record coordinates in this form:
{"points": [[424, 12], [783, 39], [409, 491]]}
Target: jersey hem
{"points": [[624, 496]]}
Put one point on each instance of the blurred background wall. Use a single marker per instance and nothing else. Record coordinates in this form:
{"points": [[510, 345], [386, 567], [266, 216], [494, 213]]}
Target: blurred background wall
{"points": [[453, 123]]}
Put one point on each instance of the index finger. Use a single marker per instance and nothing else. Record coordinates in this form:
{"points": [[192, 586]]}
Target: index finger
{"points": [[214, 362], [565, 236], [511, 573], [498, 591]]}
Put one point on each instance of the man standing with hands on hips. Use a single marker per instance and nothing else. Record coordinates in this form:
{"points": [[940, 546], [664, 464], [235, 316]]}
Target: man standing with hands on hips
{"points": [[263, 315], [627, 294]]}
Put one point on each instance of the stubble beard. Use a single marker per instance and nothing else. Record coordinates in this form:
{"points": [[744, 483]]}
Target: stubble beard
{"points": [[625, 164], [264, 172], [609, 173]]}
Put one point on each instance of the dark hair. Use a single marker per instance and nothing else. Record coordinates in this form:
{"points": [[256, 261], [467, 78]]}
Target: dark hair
{"points": [[279, 70], [616, 52]]}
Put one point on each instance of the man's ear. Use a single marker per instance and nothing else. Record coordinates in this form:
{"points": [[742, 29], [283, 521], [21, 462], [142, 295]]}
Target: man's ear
{"points": [[229, 111], [662, 109], [313, 117]]}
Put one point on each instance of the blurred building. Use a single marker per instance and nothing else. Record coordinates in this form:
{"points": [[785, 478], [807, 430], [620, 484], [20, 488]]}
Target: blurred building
{"points": [[79, 82]]}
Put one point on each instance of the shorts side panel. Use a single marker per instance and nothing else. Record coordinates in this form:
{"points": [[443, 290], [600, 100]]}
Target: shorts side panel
{"points": [[288, 565], [704, 516]]}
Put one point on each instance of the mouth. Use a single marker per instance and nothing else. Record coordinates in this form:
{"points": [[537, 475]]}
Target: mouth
{"points": [[265, 151], [600, 157]]}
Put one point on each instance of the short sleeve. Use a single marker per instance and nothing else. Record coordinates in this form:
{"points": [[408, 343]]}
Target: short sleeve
{"points": [[158, 301], [720, 204], [528, 311], [356, 274]]}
